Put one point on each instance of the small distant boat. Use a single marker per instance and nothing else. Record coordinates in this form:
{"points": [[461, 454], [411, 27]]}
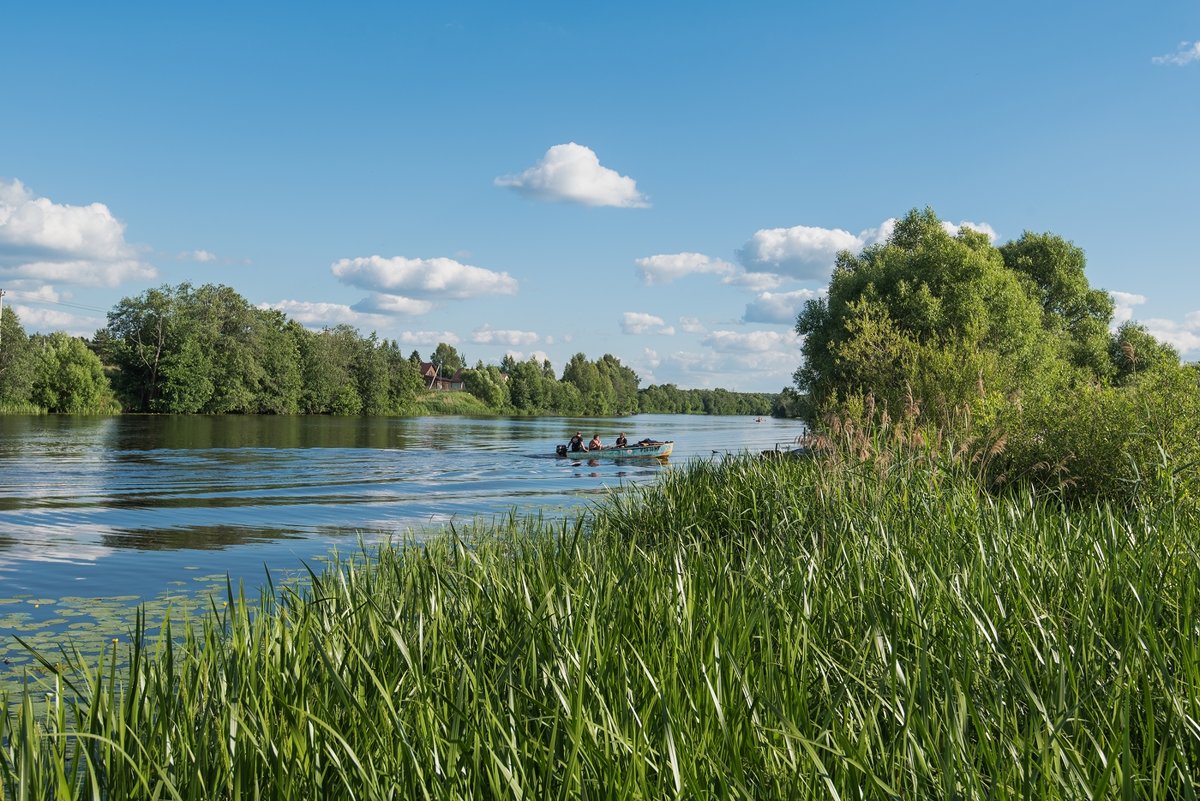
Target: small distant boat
{"points": [[647, 448]]}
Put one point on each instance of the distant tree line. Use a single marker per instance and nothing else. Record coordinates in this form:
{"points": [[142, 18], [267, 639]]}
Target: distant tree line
{"points": [[670, 399], [206, 350]]}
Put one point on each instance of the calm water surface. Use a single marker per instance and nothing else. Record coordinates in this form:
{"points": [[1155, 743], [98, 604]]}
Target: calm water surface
{"points": [[127, 505]]}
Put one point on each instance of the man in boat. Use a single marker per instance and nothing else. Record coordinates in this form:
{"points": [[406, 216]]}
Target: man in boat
{"points": [[595, 444], [621, 441], [576, 444]]}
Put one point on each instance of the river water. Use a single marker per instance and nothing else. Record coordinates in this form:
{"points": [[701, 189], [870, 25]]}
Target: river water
{"points": [[128, 506]]}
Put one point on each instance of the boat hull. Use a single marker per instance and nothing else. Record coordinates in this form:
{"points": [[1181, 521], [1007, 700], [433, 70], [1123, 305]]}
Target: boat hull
{"points": [[653, 450]]}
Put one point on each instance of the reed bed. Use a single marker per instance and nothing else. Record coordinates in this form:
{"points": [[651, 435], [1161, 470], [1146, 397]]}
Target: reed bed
{"points": [[841, 628]]}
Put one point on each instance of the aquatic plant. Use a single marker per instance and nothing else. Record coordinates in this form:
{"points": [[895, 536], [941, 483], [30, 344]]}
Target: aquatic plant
{"points": [[870, 627]]}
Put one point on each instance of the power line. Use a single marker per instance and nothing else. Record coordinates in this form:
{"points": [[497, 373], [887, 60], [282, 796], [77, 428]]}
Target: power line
{"points": [[43, 301]]}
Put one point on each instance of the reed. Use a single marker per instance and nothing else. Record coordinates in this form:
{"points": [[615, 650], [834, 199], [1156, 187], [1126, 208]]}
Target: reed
{"points": [[869, 627]]}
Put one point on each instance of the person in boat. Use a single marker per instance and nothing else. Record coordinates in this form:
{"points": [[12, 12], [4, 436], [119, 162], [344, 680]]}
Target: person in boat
{"points": [[621, 441], [595, 444], [576, 443]]}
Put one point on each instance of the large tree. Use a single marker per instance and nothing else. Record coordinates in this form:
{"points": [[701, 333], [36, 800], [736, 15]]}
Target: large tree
{"points": [[926, 318], [69, 378], [17, 360]]}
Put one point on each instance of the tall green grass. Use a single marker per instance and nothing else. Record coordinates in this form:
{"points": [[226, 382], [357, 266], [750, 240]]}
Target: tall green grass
{"points": [[843, 628]]}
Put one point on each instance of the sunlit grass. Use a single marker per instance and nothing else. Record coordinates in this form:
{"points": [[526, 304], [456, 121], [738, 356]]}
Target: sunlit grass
{"points": [[766, 629]]}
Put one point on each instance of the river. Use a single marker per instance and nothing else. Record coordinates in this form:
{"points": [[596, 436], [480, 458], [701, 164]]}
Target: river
{"points": [[132, 505]]}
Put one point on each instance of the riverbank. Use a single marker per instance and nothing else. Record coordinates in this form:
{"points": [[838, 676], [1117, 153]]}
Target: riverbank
{"points": [[747, 628]]}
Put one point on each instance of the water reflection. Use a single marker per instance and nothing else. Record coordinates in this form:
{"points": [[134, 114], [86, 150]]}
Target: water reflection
{"points": [[137, 498]]}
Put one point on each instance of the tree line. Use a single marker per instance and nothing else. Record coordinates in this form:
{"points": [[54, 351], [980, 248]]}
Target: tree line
{"points": [[940, 335], [206, 350]]}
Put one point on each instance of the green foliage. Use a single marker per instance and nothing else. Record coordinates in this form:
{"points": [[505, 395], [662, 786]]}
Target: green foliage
{"points": [[1010, 345], [69, 378], [1077, 315], [925, 317], [1120, 443], [17, 362], [838, 627], [670, 399], [447, 359], [1133, 352], [488, 384]]}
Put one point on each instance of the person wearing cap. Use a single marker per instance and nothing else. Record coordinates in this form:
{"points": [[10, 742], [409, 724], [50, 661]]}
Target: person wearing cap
{"points": [[576, 442]]}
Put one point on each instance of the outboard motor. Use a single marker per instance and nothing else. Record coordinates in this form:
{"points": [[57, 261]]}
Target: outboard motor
{"points": [[561, 450]]}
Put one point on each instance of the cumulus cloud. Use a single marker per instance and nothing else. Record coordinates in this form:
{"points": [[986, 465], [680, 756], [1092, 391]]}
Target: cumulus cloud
{"points": [[486, 335], [1184, 336], [385, 304], [573, 173], [1186, 53], [806, 252], [48, 241], [665, 268], [802, 251], [778, 307], [437, 279], [691, 325], [319, 315], [1123, 306], [642, 323], [880, 233], [751, 341]]}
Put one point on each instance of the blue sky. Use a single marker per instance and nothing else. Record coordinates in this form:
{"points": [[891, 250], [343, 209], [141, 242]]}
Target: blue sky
{"points": [[663, 182]]}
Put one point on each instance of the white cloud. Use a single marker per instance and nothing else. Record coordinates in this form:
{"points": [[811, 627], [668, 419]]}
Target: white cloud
{"points": [[1183, 336], [880, 233], [802, 251], [198, 255], [49, 241], [747, 372], [538, 355], [1124, 303], [982, 228], [1186, 53], [44, 320], [778, 307], [642, 323], [755, 282], [806, 252], [650, 356], [752, 342], [429, 338], [319, 315], [486, 335], [383, 303], [438, 278], [573, 173], [691, 325], [665, 268]]}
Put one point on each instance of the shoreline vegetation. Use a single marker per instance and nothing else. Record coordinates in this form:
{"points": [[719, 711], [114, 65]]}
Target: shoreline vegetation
{"points": [[870, 620], [207, 350]]}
